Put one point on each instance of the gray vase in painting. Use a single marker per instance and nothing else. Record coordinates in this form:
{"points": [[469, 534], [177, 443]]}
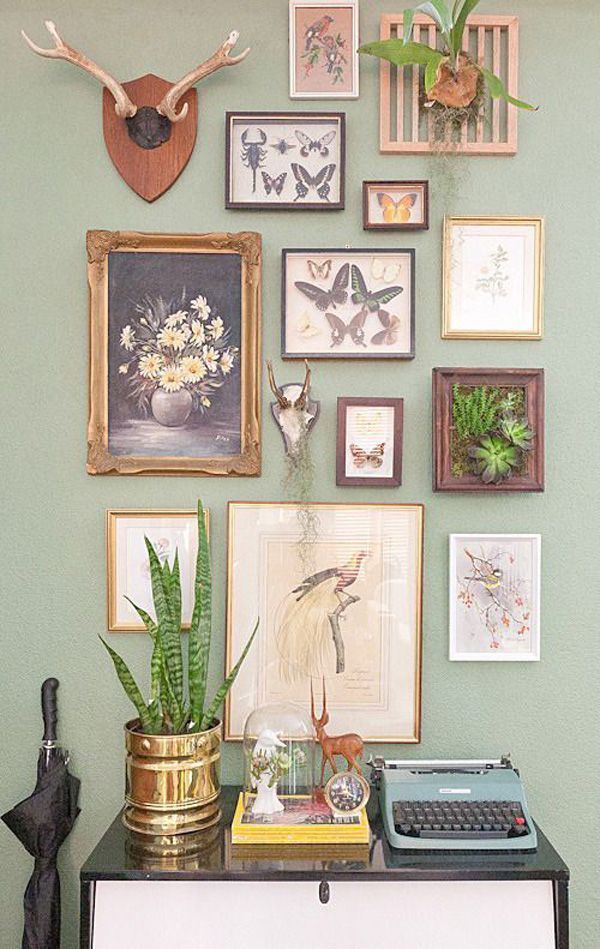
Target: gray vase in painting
{"points": [[171, 408]]}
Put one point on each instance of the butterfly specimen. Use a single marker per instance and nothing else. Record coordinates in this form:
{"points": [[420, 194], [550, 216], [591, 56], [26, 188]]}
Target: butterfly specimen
{"points": [[370, 300], [315, 145], [383, 270], [306, 327], [273, 184], [323, 299], [282, 146], [368, 459], [319, 271], [389, 334], [305, 181], [354, 329], [396, 211]]}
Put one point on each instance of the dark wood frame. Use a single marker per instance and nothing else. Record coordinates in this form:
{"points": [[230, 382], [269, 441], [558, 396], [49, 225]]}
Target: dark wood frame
{"points": [[349, 251], [368, 185], [341, 478], [295, 118], [443, 379]]}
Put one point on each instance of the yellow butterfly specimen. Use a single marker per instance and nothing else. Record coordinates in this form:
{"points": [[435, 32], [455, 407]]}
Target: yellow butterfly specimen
{"points": [[396, 211], [384, 270], [306, 327]]}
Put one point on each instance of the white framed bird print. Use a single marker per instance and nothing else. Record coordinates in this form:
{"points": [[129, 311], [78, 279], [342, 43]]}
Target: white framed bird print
{"points": [[341, 607], [495, 597], [324, 49]]}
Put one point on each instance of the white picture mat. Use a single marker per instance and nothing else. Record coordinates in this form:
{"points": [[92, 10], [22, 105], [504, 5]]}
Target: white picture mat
{"points": [[366, 427], [377, 696], [469, 637], [277, 128], [474, 263], [167, 533], [307, 330], [353, 56], [375, 210], [453, 914]]}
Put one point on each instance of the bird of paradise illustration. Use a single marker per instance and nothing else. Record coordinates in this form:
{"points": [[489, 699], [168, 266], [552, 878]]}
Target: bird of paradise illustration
{"points": [[310, 620]]}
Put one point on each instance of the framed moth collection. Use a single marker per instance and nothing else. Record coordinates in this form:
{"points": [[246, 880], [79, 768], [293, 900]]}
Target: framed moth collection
{"points": [[285, 160], [348, 304]]}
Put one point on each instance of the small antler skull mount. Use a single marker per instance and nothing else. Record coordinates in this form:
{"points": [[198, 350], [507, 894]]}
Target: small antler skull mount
{"points": [[294, 412]]}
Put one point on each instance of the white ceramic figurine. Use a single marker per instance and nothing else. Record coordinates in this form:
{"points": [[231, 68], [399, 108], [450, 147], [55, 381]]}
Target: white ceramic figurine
{"points": [[268, 764]]}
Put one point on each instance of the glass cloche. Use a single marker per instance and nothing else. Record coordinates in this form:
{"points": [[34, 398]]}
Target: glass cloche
{"points": [[279, 757]]}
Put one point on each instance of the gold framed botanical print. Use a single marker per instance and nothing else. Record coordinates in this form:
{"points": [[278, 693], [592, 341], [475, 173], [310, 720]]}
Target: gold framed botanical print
{"points": [[127, 567], [174, 353], [343, 606], [493, 277]]}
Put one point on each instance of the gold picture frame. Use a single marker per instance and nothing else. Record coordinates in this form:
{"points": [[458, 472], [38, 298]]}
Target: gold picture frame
{"points": [[114, 560], [244, 458], [512, 295], [263, 563]]}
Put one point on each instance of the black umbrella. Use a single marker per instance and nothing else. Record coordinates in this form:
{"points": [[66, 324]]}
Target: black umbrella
{"points": [[42, 822]]}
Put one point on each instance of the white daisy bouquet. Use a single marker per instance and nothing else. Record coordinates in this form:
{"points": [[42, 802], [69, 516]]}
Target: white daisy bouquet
{"points": [[174, 346]]}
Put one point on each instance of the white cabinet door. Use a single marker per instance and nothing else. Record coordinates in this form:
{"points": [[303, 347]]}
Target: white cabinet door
{"points": [[288, 915]]}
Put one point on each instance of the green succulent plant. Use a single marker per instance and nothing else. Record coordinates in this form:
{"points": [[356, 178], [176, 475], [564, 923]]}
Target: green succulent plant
{"points": [[474, 410], [517, 432], [495, 458], [174, 707], [450, 21]]}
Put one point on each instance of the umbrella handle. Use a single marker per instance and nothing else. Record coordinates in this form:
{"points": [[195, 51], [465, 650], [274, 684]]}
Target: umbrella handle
{"points": [[49, 712]]}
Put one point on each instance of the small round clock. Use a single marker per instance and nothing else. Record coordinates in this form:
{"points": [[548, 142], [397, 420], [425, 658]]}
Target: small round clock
{"points": [[347, 792]]}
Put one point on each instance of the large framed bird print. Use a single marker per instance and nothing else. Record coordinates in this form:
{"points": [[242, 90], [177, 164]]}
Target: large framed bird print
{"points": [[348, 304], [291, 161], [339, 604]]}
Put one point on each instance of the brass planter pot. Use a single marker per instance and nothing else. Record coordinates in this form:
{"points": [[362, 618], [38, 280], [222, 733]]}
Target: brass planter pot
{"points": [[172, 782]]}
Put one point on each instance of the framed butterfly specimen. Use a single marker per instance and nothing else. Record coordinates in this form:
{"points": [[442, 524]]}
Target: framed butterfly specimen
{"points": [[369, 442], [348, 304], [285, 160], [395, 205]]}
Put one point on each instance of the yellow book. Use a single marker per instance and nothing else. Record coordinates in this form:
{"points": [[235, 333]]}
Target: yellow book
{"points": [[303, 821]]}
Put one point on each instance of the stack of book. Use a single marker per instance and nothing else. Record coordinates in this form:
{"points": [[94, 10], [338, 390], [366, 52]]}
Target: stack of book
{"points": [[302, 821]]}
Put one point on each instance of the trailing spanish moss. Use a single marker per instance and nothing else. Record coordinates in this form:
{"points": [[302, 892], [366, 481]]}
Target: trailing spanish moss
{"points": [[298, 484]]}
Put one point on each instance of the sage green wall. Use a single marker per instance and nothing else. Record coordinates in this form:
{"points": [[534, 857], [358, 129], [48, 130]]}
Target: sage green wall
{"points": [[58, 181]]}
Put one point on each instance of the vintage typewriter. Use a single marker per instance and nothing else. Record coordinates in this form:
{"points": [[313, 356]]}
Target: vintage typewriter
{"points": [[453, 805]]}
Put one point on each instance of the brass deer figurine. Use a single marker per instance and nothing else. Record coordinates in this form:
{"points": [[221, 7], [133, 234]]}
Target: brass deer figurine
{"points": [[349, 746]]}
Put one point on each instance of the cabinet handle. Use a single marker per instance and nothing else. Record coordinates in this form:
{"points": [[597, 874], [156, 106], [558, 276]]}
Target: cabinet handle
{"points": [[324, 891]]}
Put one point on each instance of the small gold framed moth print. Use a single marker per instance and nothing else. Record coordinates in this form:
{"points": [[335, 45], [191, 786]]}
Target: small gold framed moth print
{"points": [[395, 205], [174, 353], [493, 277], [323, 49]]}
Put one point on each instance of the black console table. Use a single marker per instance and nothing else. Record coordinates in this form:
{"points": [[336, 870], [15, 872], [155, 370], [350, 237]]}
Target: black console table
{"points": [[318, 894]]}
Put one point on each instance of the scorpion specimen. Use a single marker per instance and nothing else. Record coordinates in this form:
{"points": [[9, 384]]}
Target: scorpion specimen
{"points": [[253, 153]]}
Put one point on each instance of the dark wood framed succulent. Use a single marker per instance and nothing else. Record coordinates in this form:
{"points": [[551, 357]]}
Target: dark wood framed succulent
{"points": [[488, 429]]}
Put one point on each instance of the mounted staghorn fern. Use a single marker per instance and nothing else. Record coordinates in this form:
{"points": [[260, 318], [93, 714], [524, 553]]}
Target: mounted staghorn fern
{"points": [[174, 709], [451, 77]]}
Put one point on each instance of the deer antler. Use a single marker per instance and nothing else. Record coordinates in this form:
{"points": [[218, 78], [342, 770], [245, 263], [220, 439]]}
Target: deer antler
{"points": [[301, 400], [220, 58], [124, 107], [283, 402]]}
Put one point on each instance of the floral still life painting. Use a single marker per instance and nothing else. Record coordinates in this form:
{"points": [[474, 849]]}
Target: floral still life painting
{"points": [[493, 276], [495, 597], [323, 49], [173, 335]]}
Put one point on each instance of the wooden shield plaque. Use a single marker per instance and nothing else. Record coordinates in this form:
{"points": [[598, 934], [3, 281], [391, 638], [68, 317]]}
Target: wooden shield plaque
{"points": [[149, 171]]}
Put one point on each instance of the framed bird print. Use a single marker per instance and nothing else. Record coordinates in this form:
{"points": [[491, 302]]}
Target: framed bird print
{"points": [[495, 597], [395, 205], [324, 49], [289, 161], [348, 304], [493, 277], [369, 442], [342, 607]]}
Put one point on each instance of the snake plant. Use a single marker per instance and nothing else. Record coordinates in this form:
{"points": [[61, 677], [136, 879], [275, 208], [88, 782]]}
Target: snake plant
{"points": [[451, 22], [175, 707], [495, 459]]}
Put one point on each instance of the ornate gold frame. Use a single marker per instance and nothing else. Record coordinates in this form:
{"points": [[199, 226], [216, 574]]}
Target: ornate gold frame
{"points": [[248, 245], [230, 659], [451, 221], [111, 517]]}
